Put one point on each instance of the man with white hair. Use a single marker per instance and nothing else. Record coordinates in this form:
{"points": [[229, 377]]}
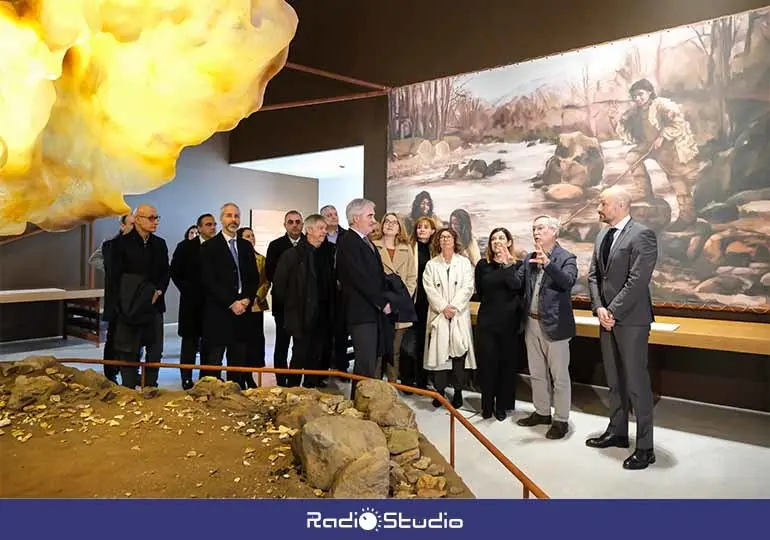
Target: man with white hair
{"points": [[548, 275], [619, 278], [362, 278]]}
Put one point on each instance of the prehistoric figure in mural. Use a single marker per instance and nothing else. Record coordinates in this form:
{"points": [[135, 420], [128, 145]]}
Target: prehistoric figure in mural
{"points": [[658, 129]]}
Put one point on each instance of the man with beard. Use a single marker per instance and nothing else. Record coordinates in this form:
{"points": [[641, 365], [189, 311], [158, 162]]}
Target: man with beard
{"points": [[186, 275], [229, 277]]}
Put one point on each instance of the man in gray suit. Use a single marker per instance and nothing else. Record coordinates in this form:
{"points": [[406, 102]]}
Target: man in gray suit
{"points": [[619, 281]]}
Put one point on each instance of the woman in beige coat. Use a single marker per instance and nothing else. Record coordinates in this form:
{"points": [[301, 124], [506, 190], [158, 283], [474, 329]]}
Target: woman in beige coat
{"points": [[397, 258]]}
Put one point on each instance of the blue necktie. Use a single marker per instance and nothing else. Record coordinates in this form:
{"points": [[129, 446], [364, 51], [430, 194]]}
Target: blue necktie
{"points": [[235, 258]]}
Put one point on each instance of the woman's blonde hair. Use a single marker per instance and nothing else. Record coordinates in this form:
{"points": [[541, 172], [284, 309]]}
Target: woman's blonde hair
{"points": [[491, 254], [401, 237], [422, 219]]}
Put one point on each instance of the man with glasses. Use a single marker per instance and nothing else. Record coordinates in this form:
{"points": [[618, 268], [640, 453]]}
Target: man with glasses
{"points": [[140, 277], [186, 274], [292, 222]]}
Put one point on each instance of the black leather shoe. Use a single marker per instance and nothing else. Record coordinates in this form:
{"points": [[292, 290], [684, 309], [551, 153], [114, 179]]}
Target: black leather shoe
{"points": [[187, 384], [534, 419], [500, 415], [557, 430], [607, 440], [486, 415], [639, 460], [457, 399]]}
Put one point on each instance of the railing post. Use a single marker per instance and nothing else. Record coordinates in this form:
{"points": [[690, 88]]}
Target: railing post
{"points": [[142, 367], [526, 491], [451, 440]]}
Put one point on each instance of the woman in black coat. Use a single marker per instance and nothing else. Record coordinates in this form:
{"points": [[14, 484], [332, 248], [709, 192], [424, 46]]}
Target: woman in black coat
{"points": [[498, 339]]}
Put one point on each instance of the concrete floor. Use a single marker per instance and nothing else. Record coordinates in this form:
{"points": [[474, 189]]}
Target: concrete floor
{"points": [[703, 451]]}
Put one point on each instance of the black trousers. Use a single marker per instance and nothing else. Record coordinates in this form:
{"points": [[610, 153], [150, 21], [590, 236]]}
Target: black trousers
{"points": [[191, 345], [497, 360], [411, 364], [307, 353], [454, 377], [129, 375], [111, 372], [281, 352], [255, 347], [236, 357]]}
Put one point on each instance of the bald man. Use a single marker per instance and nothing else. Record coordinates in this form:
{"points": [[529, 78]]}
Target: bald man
{"points": [[140, 277], [619, 277]]}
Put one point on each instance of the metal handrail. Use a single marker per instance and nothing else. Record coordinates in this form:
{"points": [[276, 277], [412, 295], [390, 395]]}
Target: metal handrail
{"points": [[528, 486]]}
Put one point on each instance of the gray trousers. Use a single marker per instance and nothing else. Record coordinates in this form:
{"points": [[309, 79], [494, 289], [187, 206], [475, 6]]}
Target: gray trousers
{"points": [[548, 366], [624, 351]]}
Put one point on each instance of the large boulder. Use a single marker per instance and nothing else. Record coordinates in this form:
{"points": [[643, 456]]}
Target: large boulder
{"points": [[328, 444], [578, 160], [366, 477], [380, 403], [29, 390]]}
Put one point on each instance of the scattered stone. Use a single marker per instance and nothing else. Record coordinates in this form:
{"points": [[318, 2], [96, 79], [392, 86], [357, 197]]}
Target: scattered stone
{"points": [[435, 469], [429, 487], [422, 463]]}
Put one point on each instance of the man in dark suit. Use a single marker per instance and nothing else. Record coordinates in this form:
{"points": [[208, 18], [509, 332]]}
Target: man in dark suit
{"points": [[362, 278], [338, 348], [292, 222], [619, 277], [142, 254], [186, 275], [304, 289], [230, 279], [549, 275], [101, 259]]}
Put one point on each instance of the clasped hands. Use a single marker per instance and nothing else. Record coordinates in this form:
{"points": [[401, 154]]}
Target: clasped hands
{"points": [[449, 312], [239, 306], [606, 319]]}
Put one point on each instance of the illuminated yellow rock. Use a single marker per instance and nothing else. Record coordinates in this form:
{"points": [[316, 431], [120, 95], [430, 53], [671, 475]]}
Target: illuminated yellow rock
{"points": [[99, 97]]}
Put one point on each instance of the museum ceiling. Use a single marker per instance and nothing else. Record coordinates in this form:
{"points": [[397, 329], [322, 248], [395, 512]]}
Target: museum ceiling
{"points": [[397, 42]]}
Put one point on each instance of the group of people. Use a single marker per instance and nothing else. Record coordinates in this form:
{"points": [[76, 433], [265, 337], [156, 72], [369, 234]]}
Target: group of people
{"points": [[404, 298]]}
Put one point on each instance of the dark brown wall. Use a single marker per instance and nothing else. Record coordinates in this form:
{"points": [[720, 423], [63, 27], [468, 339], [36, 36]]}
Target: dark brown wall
{"points": [[41, 261]]}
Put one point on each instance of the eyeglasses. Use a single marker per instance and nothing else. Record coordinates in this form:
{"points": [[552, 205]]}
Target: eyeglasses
{"points": [[390, 222], [293, 221], [150, 218]]}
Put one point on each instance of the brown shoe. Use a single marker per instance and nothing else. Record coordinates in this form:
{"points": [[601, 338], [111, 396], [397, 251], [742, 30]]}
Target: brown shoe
{"points": [[557, 430], [534, 419]]}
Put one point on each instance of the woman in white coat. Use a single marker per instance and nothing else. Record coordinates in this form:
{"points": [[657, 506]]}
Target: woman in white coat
{"points": [[448, 281]]}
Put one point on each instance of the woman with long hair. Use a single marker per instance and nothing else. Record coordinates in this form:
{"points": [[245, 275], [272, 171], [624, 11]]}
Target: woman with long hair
{"points": [[397, 258], [500, 293], [448, 282], [460, 222], [255, 348], [422, 206]]}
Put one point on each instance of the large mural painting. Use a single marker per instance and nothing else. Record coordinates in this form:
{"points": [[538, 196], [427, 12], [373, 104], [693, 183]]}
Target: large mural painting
{"points": [[681, 118]]}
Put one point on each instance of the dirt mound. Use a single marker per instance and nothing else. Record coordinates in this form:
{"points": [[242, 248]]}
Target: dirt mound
{"points": [[71, 433]]}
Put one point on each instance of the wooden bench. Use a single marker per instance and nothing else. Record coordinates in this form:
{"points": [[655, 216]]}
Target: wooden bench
{"points": [[733, 336], [80, 308]]}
